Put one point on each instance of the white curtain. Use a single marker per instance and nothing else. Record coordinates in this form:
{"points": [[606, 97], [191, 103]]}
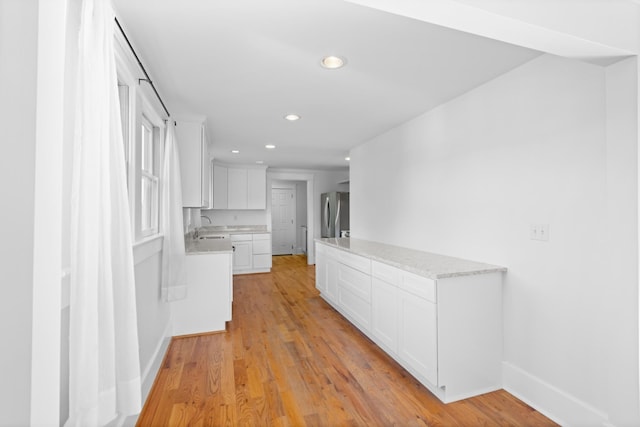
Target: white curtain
{"points": [[174, 268], [103, 354]]}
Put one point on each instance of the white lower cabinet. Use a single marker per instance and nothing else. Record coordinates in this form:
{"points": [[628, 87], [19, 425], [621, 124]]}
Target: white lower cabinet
{"points": [[261, 252], [354, 295], [445, 332], [384, 314], [418, 336], [242, 252], [251, 253]]}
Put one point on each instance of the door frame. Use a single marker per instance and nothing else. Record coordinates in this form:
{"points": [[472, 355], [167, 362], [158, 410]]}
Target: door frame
{"points": [[290, 186], [296, 176]]}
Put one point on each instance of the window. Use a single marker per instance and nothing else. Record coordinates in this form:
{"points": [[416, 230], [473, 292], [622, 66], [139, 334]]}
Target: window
{"points": [[149, 171]]}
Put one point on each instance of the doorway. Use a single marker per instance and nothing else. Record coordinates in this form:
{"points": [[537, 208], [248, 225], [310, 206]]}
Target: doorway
{"points": [[283, 220], [289, 217], [305, 217]]}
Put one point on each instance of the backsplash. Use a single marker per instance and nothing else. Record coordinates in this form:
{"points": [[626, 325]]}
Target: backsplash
{"points": [[192, 217], [233, 217]]}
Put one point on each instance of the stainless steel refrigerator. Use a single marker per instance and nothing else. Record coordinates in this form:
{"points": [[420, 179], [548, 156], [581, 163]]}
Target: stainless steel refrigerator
{"points": [[335, 213]]}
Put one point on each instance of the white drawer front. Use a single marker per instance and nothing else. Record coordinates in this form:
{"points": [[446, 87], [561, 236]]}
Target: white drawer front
{"points": [[419, 286], [355, 307], [262, 236], [262, 247], [355, 261], [356, 281], [385, 272], [241, 237]]}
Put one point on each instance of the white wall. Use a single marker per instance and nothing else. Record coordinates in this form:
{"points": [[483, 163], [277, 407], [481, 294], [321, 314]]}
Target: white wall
{"points": [[469, 177], [622, 237], [18, 53], [301, 217]]}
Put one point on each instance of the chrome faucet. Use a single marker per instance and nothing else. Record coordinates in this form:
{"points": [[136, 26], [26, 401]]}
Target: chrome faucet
{"points": [[207, 218]]}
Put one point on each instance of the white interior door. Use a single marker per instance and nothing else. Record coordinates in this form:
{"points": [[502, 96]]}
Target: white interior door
{"points": [[283, 227]]}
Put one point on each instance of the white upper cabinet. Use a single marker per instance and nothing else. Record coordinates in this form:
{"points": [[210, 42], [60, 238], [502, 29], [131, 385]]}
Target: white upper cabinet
{"points": [[239, 187], [256, 188], [194, 163], [219, 186]]}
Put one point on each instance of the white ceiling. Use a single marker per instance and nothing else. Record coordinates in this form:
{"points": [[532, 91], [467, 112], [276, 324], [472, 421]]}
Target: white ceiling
{"points": [[244, 64]]}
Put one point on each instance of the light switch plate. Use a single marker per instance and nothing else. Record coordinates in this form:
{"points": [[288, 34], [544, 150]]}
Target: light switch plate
{"points": [[534, 232], [543, 232]]}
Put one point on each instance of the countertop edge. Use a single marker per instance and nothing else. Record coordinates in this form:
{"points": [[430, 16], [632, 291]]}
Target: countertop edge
{"points": [[484, 269]]}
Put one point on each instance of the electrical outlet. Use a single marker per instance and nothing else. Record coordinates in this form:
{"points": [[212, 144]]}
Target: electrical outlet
{"points": [[539, 232]]}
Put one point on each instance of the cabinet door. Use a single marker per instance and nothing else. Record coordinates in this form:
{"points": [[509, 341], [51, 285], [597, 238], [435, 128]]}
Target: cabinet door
{"points": [[354, 295], [384, 313], [332, 279], [417, 340], [237, 188], [242, 256], [219, 187], [256, 189]]}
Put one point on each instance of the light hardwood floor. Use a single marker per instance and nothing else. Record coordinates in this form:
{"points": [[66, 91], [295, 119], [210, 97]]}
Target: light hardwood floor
{"points": [[289, 359]]}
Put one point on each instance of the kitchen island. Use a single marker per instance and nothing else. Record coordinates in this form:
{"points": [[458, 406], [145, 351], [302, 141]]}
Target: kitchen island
{"points": [[440, 317]]}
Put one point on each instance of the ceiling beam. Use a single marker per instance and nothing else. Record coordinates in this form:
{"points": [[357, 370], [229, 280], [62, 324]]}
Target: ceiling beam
{"points": [[597, 31]]}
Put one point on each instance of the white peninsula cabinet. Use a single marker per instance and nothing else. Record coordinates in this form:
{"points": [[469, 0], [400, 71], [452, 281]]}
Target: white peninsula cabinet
{"points": [[195, 170], [442, 320], [207, 305]]}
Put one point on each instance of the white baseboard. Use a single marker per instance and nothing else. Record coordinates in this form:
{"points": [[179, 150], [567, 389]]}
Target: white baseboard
{"points": [[560, 406], [152, 368]]}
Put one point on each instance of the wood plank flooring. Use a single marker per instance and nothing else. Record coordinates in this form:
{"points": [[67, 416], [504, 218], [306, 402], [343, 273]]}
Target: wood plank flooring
{"points": [[289, 359]]}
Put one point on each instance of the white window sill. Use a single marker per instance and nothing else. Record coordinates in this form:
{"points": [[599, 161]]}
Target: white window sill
{"points": [[147, 247]]}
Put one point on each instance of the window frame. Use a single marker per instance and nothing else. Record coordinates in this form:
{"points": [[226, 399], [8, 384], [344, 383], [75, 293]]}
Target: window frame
{"points": [[151, 173], [141, 107]]}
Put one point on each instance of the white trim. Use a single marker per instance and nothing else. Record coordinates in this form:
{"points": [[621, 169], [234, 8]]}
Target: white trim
{"points": [[153, 367], [146, 248], [560, 406], [47, 232]]}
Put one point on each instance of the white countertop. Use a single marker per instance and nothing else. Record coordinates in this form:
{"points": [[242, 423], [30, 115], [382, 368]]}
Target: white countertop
{"points": [[425, 264], [232, 229], [207, 246]]}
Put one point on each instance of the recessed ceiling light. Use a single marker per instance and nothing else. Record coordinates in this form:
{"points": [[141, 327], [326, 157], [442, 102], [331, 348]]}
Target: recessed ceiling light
{"points": [[259, 162], [235, 151], [332, 62], [347, 158], [292, 117], [270, 146]]}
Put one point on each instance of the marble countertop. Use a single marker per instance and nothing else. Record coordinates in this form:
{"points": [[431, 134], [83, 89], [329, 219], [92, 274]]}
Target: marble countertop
{"points": [[425, 264], [232, 229], [207, 246]]}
